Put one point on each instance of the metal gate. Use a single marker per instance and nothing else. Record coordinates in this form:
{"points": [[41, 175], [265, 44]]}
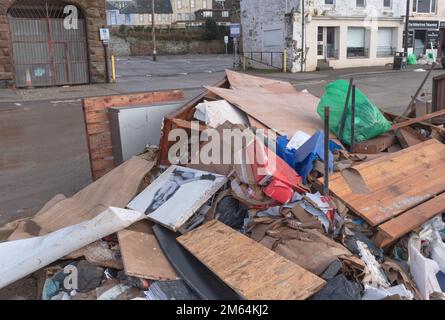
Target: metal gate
{"points": [[45, 52]]}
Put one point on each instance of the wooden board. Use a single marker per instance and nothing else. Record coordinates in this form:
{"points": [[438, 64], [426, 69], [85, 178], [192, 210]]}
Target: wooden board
{"points": [[409, 221], [376, 145], [142, 255], [252, 270], [397, 182], [115, 189], [98, 129], [418, 119], [275, 104], [409, 137]]}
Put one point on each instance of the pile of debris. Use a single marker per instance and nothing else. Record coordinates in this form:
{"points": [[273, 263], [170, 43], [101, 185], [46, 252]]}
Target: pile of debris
{"points": [[346, 210]]}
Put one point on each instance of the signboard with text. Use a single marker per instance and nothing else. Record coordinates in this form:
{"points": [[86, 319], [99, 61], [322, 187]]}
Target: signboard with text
{"points": [[235, 30], [423, 25]]}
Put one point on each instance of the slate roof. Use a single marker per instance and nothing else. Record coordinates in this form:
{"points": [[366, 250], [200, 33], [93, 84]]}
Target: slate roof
{"points": [[144, 7]]}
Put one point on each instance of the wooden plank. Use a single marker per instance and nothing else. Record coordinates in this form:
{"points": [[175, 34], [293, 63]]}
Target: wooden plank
{"points": [[100, 103], [418, 119], [397, 182], [409, 221], [142, 255], [252, 270], [409, 137], [377, 144]]}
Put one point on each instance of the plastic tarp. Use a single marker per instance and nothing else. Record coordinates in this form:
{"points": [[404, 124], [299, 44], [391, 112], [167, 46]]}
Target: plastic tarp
{"points": [[302, 160], [36, 253], [369, 121]]}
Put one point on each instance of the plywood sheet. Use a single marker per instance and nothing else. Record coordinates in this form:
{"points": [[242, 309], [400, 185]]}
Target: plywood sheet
{"points": [[276, 104], [114, 189], [142, 255], [252, 270], [410, 220], [397, 182]]}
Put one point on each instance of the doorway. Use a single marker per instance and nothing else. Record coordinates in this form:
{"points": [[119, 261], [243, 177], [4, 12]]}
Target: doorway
{"points": [[47, 52], [327, 43]]}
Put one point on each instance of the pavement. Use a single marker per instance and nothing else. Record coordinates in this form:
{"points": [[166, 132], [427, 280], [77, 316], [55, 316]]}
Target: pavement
{"points": [[42, 135]]}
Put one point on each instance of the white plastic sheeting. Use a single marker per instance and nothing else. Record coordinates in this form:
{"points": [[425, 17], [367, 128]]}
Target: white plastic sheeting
{"points": [[423, 270], [23, 257]]}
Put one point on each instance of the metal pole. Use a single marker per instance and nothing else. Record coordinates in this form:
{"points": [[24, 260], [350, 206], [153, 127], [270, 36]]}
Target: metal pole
{"points": [[107, 64], [153, 28], [326, 151], [345, 110], [408, 8], [303, 46], [353, 119]]}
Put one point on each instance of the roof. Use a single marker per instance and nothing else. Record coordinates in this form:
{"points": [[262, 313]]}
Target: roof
{"points": [[110, 6], [144, 6]]}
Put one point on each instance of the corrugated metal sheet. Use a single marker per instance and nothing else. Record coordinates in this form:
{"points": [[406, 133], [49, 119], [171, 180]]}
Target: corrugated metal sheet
{"points": [[45, 53]]}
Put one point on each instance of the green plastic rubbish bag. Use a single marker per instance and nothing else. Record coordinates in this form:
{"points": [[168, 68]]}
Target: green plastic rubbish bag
{"points": [[369, 121], [412, 59]]}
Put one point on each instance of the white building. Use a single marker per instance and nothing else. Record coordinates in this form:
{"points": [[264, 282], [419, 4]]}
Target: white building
{"points": [[336, 33]]}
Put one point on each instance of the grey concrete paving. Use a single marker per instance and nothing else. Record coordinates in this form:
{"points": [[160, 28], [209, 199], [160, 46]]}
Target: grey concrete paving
{"points": [[42, 136]]}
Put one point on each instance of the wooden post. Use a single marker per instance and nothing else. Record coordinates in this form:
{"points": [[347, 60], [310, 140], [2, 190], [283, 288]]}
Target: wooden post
{"points": [[326, 151]]}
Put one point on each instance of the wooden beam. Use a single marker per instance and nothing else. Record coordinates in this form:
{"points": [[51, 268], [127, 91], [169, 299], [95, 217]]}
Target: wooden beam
{"points": [[419, 119], [412, 219], [376, 145]]}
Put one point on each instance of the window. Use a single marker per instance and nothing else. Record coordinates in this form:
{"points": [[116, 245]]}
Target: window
{"points": [[356, 42], [225, 14], [192, 4], [320, 39], [141, 18], [204, 4], [179, 18], [424, 6], [127, 19], [179, 4], [360, 3], [149, 17], [112, 17], [207, 14], [385, 42], [329, 2], [187, 16], [387, 3]]}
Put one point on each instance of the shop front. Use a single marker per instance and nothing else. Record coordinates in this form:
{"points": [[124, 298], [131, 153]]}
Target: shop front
{"points": [[424, 36]]}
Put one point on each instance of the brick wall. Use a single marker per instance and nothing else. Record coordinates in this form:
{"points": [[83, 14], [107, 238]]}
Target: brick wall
{"points": [[94, 11]]}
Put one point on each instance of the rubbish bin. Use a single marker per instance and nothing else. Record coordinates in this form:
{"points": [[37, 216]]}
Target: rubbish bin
{"points": [[399, 61]]}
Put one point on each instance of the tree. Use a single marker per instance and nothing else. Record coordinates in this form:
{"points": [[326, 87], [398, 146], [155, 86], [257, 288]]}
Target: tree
{"points": [[211, 30]]}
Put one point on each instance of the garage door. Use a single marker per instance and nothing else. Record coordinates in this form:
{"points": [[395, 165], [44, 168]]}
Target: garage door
{"points": [[46, 51]]}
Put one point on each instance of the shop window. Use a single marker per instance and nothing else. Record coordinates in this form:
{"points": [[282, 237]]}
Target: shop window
{"points": [[357, 43]]}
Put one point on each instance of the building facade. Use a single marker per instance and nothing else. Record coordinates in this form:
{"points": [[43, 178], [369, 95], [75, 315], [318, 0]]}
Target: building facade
{"points": [[426, 27], [334, 33], [184, 10], [138, 13], [51, 42]]}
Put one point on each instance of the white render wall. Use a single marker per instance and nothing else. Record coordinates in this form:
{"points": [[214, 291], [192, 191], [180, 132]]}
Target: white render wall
{"points": [[259, 15]]}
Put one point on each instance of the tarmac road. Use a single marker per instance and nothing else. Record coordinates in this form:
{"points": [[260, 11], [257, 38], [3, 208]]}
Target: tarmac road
{"points": [[42, 136]]}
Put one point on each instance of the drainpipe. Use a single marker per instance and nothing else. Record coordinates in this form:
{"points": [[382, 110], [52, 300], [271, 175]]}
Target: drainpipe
{"points": [[303, 31]]}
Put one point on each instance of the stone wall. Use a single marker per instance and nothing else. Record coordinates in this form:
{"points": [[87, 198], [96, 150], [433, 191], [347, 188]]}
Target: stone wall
{"points": [[136, 47], [94, 12]]}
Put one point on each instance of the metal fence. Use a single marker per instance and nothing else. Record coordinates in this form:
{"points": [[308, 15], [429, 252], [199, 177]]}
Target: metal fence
{"points": [[270, 59]]}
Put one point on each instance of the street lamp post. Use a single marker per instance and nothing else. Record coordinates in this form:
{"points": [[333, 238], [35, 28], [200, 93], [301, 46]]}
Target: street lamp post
{"points": [[408, 7], [153, 28]]}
